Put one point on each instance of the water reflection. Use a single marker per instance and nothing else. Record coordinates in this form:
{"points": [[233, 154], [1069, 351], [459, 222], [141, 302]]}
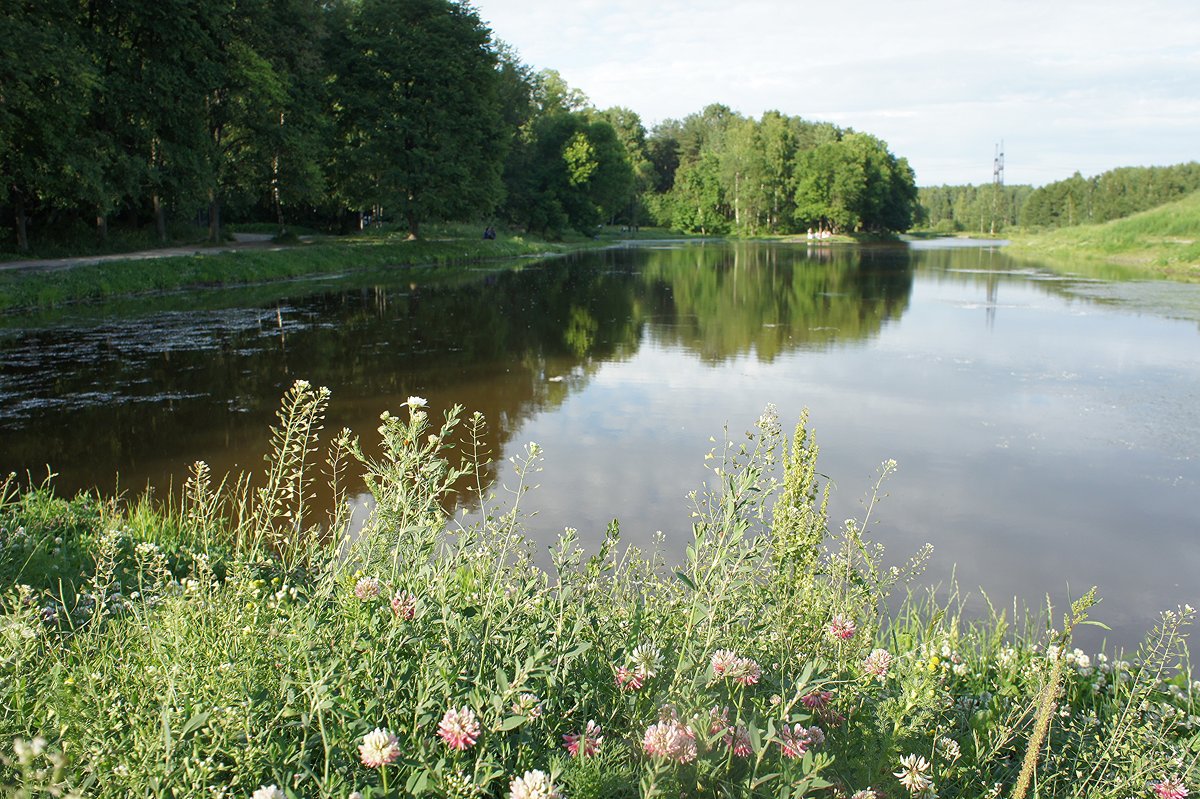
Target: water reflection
{"points": [[1046, 427], [144, 394]]}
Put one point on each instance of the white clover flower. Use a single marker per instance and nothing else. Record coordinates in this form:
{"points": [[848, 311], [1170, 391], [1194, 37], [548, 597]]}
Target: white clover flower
{"points": [[416, 402], [533, 784], [913, 774], [268, 792], [646, 660]]}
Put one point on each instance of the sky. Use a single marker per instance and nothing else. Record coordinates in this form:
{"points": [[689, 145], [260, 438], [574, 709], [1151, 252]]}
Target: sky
{"points": [[1065, 85]]}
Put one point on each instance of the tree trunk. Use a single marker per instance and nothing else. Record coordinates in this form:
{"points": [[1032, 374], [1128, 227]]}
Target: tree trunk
{"points": [[22, 231], [102, 225], [160, 219], [276, 194], [413, 224], [214, 217]]}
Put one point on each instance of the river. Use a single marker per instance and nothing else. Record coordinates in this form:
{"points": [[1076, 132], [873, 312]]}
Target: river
{"points": [[1046, 427]]}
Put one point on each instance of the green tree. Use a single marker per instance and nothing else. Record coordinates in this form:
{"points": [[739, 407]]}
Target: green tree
{"points": [[855, 184], [577, 174], [697, 201], [418, 125], [632, 134], [45, 77]]}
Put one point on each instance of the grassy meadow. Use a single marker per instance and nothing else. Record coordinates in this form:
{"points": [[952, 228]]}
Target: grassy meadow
{"points": [[230, 643], [1162, 242]]}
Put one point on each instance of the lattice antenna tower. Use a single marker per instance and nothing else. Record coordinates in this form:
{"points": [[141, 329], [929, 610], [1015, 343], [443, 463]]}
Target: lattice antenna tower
{"points": [[997, 180]]}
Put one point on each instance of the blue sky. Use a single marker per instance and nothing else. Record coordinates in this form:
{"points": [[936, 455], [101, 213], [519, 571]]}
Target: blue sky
{"points": [[1067, 86]]}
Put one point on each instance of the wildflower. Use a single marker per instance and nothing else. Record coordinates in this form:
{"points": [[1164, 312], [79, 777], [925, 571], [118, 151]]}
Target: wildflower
{"points": [[459, 728], [268, 792], [461, 784], [628, 679], [1170, 788], [528, 705], [816, 700], [738, 739], [367, 589], [646, 660], [913, 774], [745, 672], [379, 747], [878, 663], [817, 735], [796, 740], [404, 605], [866, 793], [533, 785], [722, 661], [416, 402], [949, 748], [841, 628], [670, 739], [586, 743], [718, 720]]}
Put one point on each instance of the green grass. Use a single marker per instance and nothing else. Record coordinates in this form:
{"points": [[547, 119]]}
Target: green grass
{"points": [[230, 641], [26, 289], [379, 248], [1162, 242]]}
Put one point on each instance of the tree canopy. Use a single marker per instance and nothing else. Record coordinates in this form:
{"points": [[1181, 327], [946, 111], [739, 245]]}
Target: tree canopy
{"points": [[335, 113]]}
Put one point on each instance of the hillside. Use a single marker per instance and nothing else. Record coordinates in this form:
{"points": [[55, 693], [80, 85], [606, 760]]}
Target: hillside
{"points": [[1161, 242]]}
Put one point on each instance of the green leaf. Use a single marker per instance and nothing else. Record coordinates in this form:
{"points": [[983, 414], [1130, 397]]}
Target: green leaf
{"points": [[501, 680], [197, 721], [511, 723], [683, 578]]}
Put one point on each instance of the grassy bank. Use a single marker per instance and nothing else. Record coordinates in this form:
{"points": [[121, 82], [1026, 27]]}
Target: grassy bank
{"points": [[1163, 242], [228, 645], [27, 289]]}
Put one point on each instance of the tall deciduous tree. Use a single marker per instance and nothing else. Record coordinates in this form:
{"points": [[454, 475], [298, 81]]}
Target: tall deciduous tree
{"points": [[44, 88], [419, 130]]}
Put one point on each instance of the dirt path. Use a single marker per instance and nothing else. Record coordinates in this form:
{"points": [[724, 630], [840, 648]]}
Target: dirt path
{"points": [[241, 241]]}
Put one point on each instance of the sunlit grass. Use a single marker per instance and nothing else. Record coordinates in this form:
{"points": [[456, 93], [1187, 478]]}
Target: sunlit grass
{"points": [[1162, 242]]}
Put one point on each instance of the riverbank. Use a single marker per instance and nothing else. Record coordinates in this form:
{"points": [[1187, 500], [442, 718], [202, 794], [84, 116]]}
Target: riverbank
{"points": [[225, 638], [46, 284], [1160, 243]]}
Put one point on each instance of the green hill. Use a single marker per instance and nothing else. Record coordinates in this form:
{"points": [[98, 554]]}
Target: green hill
{"points": [[1161, 242]]}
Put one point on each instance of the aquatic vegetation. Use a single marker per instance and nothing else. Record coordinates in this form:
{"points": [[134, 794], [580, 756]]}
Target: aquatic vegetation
{"points": [[236, 643]]}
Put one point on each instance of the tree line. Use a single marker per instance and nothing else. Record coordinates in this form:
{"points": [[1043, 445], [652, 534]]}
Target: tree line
{"points": [[341, 112], [720, 172], [1077, 200]]}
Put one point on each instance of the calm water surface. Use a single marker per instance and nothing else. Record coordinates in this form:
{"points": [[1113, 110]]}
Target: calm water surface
{"points": [[1047, 429]]}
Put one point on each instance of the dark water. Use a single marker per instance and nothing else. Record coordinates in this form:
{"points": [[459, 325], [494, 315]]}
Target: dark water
{"points": [[1047, 429]]}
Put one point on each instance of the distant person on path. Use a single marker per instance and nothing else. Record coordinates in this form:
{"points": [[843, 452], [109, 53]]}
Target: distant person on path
{"points": [[489, 232]]}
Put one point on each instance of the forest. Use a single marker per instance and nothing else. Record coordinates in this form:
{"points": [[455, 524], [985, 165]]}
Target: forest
{"points": [[1077, 200], [174, 116]]}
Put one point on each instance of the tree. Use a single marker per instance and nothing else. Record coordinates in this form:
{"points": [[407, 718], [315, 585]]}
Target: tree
{"points": [[697, 201], [578, 174], [855, 184], [45, 78], [632, 135], [418, 126]]}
